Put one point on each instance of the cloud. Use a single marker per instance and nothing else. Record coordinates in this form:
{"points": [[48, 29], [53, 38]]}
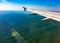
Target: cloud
{"points": [[5, 5], [45, 8], [57, 8], [10, 6], [3, 0]]}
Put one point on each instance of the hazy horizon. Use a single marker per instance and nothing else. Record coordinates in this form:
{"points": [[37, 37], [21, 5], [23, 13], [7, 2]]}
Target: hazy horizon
{"points": [[49, 5]]}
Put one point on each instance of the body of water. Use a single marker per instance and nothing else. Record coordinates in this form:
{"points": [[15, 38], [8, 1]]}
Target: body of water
{"points": [[30, 27]]}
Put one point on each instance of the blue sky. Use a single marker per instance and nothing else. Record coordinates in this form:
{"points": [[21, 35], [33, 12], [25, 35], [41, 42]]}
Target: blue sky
{"points": [[43, 4], [49, 3]]}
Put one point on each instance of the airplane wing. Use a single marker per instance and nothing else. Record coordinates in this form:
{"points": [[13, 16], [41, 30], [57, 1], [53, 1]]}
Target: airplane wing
{"points": [[51, 15]]}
